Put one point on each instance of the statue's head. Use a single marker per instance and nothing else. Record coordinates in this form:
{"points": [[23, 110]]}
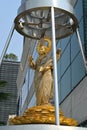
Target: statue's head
{"points": [[44, 46]]}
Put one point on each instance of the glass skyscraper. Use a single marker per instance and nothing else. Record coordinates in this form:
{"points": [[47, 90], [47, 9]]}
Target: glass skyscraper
{"points": [[70, 67]]}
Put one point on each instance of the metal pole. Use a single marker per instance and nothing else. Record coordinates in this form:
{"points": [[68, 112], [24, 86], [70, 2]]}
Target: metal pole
{"points": [[7, 43], [81, 48], [55, 67]]}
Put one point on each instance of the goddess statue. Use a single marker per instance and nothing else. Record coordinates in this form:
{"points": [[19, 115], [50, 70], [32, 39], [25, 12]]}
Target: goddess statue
{"points": [[43, 79]]}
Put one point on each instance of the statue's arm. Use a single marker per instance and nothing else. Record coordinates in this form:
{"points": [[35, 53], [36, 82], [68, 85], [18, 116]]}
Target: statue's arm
{"points": [[44, 69], [31, 62], [48, 65]]}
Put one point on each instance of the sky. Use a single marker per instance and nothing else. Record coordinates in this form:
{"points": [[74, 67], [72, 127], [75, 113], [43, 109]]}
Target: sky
{"points": [[8, 12]]}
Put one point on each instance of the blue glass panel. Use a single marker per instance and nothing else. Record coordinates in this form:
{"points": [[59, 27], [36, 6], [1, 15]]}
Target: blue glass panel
{"points": [[65, 84], [64, 43], [78, 70], [81, 30], [79, 10], [65, 59], [59, 90], [74, 46], [59, 70], [58, 44]]}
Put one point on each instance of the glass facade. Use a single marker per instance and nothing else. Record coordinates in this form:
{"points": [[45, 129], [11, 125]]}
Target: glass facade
{"points": [[70, 66], [85, 24]]}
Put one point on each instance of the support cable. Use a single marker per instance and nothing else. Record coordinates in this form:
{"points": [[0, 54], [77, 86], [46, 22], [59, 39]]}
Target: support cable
{"points": [[7, 43], [81, 48]]}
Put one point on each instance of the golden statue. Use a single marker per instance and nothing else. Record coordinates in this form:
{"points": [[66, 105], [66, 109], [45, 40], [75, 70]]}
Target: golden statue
{"points": [[44, 111], [43, 79]]}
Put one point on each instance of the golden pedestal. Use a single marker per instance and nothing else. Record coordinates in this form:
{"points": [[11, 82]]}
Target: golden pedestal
{"points": [[44, 114]]}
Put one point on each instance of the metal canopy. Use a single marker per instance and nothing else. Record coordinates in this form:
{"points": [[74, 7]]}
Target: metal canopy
{"points": [[34, 18]]}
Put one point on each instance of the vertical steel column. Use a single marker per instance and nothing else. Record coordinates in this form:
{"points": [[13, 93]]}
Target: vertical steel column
{"points": [[7, 43], [81, 48], [55, 67]]}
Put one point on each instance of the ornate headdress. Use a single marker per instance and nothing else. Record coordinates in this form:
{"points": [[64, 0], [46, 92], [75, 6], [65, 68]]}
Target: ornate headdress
{"points": [[43, 49]]}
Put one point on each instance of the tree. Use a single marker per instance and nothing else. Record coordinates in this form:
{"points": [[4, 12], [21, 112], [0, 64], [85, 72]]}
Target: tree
{"points": [[11, 56], [3, 96], [2, 83], [6, 56]]}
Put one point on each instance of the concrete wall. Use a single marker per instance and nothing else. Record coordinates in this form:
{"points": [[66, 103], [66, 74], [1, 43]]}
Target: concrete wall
{"points": [[75, 105]]}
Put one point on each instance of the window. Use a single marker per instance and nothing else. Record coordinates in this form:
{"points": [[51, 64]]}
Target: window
{"points": [[79, 9], [64, 43], [81, 30], [78, 70], [74, 46], [65, 85], [65, 59]]}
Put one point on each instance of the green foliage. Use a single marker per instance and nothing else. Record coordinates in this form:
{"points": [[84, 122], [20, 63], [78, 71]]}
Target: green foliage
{"points": [[2, 123], [3, 96], [3, 83], [11, 56]]}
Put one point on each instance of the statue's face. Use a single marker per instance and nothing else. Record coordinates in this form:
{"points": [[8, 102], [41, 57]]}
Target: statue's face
{"points": [[44, 47], [42, 50]]}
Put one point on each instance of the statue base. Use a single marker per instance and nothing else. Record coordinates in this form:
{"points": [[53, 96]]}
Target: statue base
{"points": [[43, 114]]}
